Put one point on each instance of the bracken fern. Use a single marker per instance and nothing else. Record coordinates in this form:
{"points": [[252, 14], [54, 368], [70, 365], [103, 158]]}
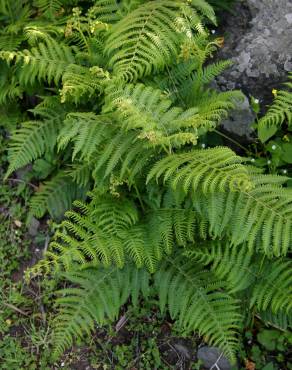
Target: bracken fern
{"points": [[118, 93]]}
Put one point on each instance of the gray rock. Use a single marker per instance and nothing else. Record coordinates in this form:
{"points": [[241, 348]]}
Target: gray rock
{"points": [[239, 121], [183, 350], [258, 38], [33, 226], [209, 356]]}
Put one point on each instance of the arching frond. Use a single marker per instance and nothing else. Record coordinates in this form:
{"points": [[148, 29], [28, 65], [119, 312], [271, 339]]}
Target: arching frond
{"points": [[194, 298], [211, 170], [146, 39], [10, 42], [205, 9], [81, 173], [230, 264], [47, 61], [274, 288], [111, 11], [108, 231], [35, 137], [9, 86], [148, 110], [55, 196], [261, 216], [35, 33], [96, 298], [280, 320]]}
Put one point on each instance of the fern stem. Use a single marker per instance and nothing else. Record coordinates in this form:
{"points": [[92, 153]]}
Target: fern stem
{"points": [[232, 140], [139, 198]]}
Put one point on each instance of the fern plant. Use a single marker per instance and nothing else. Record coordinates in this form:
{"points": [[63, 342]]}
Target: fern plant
{"points": [[124, 99]]}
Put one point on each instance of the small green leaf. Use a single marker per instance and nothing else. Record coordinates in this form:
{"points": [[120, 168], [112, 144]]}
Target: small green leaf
{"points": [[269, 366], [268, 339], [287, 152], [266, 132]]}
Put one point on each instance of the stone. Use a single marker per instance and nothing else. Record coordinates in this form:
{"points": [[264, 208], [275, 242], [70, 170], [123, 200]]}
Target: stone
{"points": [[239, 120], [258, 39], [183, 350], [209, 356], [33, 226], [289, 18]]}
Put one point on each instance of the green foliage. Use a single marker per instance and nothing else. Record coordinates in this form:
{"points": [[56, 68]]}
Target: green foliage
{"points": [[13, 356], [99, 297], [102, 292], [211, 170], [265, 341], [48, 61], [36, 137], [55, 195], [141, 43], [125, 100], [279, 112], [268, 282], [193, 297], [260, 216]]}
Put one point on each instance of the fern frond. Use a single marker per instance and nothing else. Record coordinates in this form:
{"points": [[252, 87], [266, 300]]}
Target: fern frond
{"points": [[230, 264], [9, 86], [281, 320], [97, 139], [39, 32], [274, 287], [261, 216], [10, 42], [279, 112], [108, 230], [194, 297], [145, 40], [14, 15], [87, 131], [47, 61], [50, 8], [55, 196], [148, 110], [80, 82], [217, 169], [111, 11], [205, 9], [81, 173], [36, 137], [97, 298], [195, 83], [97, 232], [142, 121]]}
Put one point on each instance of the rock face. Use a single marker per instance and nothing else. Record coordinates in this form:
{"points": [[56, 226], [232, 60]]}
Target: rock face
{"points": [[258, 38]]}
